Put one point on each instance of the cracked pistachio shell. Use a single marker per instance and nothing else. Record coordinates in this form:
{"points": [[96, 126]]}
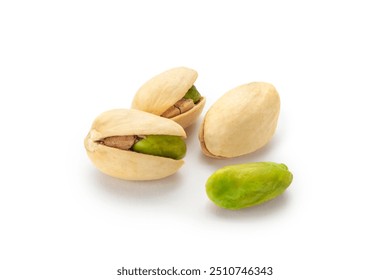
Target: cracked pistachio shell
{"points": [[125, 164], [242, 121], [164, 90], [245, 185]]}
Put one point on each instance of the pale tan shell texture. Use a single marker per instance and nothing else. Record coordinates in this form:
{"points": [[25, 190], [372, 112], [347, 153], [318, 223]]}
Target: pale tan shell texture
{"points": [[164, 90], [130, 165], [242, 121]]}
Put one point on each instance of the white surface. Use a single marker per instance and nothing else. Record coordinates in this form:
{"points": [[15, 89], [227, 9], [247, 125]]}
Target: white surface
{"points": [[62, 63]]}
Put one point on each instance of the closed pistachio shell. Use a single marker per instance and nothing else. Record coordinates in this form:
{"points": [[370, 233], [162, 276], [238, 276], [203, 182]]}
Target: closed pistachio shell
{"points": [[245, 185], [161, 92], [242, 121], [127, 164]]}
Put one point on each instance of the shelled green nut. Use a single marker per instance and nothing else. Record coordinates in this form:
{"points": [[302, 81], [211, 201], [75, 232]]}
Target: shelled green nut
{"points": [[244, 185]]}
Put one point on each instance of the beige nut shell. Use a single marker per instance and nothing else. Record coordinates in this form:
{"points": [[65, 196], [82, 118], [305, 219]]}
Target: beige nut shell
{"points": [[129, 165], [242, 121], [164, 90]]}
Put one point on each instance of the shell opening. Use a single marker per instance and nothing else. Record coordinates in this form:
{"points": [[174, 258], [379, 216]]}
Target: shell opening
{"points": [[167, 146], [123, 142], [189, 101]]}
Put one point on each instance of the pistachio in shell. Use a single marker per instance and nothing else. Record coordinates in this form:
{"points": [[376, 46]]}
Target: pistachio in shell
{"points": [[171, 94], [112, 142], [242, 121], [245, 185]]}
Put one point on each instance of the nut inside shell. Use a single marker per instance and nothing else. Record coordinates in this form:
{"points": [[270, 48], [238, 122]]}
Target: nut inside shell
{"points": [[171, 94], [111, 142], [157, 145]]}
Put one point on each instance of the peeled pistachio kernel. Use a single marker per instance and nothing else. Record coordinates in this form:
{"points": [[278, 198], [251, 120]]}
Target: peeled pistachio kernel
{"points": [[113, 135], [244, 185], [163, 95], [161, 145], [242, 121]]}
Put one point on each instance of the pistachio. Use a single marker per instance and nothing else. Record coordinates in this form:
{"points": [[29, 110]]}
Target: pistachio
{"points": [[242, 121], [171, 94], [244, 185], [120, 142], [135, 145]]}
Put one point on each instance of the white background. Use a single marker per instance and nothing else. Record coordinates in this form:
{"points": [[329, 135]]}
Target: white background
{"points": [[64, 62]]}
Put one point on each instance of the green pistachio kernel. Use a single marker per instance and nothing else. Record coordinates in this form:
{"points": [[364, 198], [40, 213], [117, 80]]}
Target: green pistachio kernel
{"points": [[193, 94], [244, 185], [161, 145]]}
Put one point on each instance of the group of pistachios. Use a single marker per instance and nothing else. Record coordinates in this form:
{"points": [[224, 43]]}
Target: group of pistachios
{"points": [[146, 141]]}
